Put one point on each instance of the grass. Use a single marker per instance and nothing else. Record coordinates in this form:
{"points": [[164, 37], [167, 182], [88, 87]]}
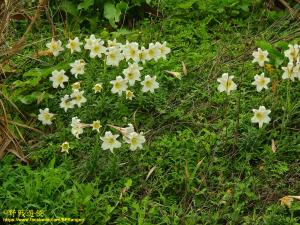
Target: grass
{"points": [[204, 162]]}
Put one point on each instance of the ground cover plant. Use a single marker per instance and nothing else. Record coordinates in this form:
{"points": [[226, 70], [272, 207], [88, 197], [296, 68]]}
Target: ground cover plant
{"points": [[203, 130]]}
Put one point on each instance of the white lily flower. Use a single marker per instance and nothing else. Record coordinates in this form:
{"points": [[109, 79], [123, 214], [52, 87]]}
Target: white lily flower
{"points": [[292, 53], [78, 97], [125, 131], [261, 82], [261, 116], [77, 67], [74, 45], [260, 57], [76, 85], [89, 41], [114, 56], [153, 52], [132, 73], [55, 47], [66, 103], [144, 55], [226, 83], [149, 84], [77, 127], [164, 50], [58, 78], [119, 85], [136, 140], [110, 141], [291, 72], [131, 51], [45, 116], [97, 49]]}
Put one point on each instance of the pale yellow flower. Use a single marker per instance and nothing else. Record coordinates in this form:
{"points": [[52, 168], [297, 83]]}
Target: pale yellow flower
{"points": [[76, 86], [129, 94], [65, 147], [96, 125], [98, 88]]}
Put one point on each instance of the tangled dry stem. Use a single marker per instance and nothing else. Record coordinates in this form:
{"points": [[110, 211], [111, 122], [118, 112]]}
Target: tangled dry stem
{"points": [[8, 9]]}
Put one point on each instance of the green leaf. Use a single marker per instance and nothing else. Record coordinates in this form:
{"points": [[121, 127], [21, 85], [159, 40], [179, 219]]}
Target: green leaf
{"points": [[34, 76], [31, 98], [122, 6], [187, 4], [128, 183], [244, 7], [37, 72], [112, 13], [85, 4], [282, 44], [93, 22], [69, 7], [121, 32], [52, 163], [264, 45], [43, 73]]}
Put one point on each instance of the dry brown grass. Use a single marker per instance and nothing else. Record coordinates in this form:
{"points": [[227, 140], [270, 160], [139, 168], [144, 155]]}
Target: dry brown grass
{"points": [[8, 141], [13, 9]]}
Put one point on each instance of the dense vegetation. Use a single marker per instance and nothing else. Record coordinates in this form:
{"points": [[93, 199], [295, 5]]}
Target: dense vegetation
{"points": [[204, 161]]}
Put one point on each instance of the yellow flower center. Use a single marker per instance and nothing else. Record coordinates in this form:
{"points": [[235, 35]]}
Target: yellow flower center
{"points": [[134, 141], [47, 116], [261, 81], [72, 44], [132, 52], [112, 56], [65, 146], [96, 48], [151, 52], [290, 71], [148, 83], [117, 85], [260, 115], [129, 94], [261, 57], [98, 88], [54, 46], [111, 140], [60, 79], [96, 125], [78, 98], [130, 75], [228, 84]]}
